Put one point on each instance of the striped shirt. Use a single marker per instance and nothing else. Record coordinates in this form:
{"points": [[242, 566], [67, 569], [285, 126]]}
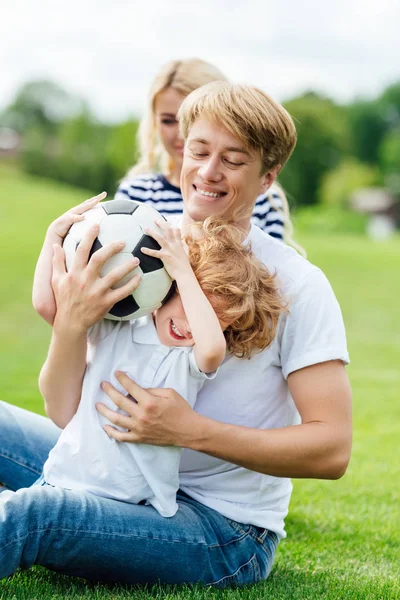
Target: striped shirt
{"points": [[155, 189]]}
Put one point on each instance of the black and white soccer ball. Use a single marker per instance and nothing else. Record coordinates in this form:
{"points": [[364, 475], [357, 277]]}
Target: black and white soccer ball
{"points": [[126, 220]]}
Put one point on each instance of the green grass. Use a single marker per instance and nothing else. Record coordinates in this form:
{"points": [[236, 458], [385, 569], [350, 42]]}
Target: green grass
{"points": [[344, 536]]}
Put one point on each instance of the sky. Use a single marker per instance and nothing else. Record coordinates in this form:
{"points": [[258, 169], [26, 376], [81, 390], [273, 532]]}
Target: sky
{"points": [[108, 51]]}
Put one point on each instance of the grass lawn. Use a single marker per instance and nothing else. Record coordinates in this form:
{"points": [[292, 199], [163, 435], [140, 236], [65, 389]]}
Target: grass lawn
{"points": [[344, 536]]}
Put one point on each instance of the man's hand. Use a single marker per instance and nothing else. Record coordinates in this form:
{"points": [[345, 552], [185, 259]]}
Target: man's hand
{"points": [[82, 296], [156, 416], [172, 252]]}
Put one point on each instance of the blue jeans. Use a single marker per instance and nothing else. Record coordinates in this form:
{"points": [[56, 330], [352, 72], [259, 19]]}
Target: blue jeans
{"points": [[97, 538]]}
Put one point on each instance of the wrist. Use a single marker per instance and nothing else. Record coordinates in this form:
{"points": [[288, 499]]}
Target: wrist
{"points": [[185, 277], [201, 434], [68, 328]]}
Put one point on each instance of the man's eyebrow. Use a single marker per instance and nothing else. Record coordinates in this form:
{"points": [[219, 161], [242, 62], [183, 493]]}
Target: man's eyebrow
{"points": [[228, 149], [199, 140], [237, 149]]}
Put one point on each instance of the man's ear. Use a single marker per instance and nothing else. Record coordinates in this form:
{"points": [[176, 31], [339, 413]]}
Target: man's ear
{"points": [[268, 179]]}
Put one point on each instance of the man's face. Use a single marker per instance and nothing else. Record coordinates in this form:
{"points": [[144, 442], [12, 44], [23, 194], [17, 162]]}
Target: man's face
{"points": [[219, 174]]}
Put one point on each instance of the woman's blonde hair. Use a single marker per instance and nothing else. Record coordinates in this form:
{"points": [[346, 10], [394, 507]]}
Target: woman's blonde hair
{"points": [[184, 76], [239, 287]]}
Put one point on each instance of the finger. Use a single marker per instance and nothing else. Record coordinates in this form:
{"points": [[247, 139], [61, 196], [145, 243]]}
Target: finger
{"points": [[114, 276], [100, 257], [156, 235], [81, 257], [159, 392], [150, 252], [136, 391], [120, 436], [89, 203], [75, 218], [126, 403], [58, 260], [114, 417], [124, 291], [163, 224]]}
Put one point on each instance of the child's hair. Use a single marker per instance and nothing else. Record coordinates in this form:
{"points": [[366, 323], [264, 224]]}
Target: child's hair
{"points": [[239, 287], [184, 76]]}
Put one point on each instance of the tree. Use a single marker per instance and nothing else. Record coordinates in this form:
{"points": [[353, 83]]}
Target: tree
{"points": [[389, 155], [322, 140], [338, 185], [40, 105]]}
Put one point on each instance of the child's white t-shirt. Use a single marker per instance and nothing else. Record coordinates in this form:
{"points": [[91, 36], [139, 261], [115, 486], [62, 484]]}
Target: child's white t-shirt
{"points": [[85, 457]]}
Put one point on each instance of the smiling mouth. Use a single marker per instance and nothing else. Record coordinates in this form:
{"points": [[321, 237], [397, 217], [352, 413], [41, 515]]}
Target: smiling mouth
{"points": [[207, 194], [176, 333]]}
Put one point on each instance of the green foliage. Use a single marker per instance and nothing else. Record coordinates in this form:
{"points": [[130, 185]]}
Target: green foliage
{"points": [[389, 154], [40, 104], [322, 139], [121, 150], [338, 184], [367, 127], [343, 541]]}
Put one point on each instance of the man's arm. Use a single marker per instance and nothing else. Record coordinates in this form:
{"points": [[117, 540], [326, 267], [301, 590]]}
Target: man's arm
{"points": [[82, 299], [61, 377], [319, 447]]}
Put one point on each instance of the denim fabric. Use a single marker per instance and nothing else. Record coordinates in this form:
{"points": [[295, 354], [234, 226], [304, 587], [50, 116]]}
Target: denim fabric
{"points": [[25, 442], [97, 538]]}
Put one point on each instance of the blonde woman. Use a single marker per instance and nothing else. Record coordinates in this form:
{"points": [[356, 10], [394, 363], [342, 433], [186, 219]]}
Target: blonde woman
{"points": [[155, 179]]}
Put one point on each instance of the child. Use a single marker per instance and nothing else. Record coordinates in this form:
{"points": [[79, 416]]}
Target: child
{"points": [[225, 299]]}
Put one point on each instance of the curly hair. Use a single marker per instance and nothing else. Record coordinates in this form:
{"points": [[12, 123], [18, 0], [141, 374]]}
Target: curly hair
{"points": [[241, 290]]}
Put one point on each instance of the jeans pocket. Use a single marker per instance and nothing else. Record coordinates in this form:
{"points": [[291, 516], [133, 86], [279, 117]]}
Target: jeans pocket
{"points": [[247, 573], [241, 528]]}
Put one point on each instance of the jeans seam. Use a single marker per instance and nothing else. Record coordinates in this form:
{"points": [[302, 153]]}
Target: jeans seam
{"points": [[20, 464], [246, 534], [253, 559], [101, 533]]}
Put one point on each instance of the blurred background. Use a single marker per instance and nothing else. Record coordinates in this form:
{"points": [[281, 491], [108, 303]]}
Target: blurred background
{"points": [[75, 80]]}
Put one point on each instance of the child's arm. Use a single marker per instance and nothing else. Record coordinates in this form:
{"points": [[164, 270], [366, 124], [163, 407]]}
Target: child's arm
{"points": [[42, 293], [209, 340]]}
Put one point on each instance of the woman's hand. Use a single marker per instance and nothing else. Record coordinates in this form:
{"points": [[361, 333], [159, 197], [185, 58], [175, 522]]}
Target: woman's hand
{"points": [[172, 253], [59, 228], [82, 296], [156, 416]]}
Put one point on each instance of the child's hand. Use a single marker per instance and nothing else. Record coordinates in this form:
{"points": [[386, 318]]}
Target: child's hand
{"points": [[172, 252], [60, 227]]}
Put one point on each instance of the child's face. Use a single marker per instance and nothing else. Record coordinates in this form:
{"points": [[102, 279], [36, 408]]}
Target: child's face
{"points": [[172, 325]]}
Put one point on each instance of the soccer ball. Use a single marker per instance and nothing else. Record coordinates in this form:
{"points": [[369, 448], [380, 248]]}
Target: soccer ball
{"points": [[126, 220]]}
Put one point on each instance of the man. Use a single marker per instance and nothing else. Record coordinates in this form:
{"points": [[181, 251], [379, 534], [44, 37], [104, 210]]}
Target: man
{"points": [[284, 413]]}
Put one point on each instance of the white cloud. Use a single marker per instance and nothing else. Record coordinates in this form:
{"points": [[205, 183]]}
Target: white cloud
{"points": [[109, 50]]}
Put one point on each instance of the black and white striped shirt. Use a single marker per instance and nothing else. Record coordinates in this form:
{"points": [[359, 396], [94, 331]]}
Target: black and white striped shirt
{"points": [[155, 189]]}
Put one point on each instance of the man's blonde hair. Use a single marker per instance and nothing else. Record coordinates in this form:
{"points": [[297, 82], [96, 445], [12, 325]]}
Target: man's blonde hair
{"points": [[239, 287], [246, 112]]}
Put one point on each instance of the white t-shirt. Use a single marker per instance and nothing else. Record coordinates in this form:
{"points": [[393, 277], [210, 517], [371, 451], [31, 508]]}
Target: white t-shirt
{"points": [[85, 457], [254, 393]]}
